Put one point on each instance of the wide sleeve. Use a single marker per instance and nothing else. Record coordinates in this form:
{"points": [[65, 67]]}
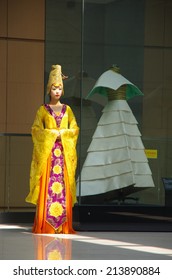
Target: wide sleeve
{"points": [[43, 141], [69, 137]]}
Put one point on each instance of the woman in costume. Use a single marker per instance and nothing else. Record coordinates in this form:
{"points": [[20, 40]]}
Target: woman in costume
{"points": [[54, 160]]}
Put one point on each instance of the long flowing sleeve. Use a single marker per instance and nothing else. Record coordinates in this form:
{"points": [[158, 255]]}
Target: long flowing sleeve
{"points": [[43, 141]]}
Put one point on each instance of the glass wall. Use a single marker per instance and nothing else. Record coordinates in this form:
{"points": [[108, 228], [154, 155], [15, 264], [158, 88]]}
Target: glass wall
{"points": [[135, 35], [113, 35]]}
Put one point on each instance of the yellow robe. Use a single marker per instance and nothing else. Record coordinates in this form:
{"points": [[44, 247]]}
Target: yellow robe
{"points": [[43, 139]]}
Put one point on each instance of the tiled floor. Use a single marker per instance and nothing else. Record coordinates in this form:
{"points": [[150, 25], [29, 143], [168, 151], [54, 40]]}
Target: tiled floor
{"points": [[18, 243]]}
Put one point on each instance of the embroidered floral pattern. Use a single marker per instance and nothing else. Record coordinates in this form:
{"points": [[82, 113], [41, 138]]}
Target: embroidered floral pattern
{"points": [[56, 187], [57, 152], [56, 209], [57, 169], [56, 197]]}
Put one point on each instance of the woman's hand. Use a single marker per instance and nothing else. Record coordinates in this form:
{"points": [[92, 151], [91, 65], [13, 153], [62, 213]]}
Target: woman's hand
{"points": [[57, 132]]}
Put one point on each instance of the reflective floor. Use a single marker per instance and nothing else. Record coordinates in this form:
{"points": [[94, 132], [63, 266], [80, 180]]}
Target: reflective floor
{"points": [[18, 243]]}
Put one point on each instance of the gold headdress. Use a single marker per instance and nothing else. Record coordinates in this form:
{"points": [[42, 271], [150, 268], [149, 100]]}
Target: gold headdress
{"points": [[55, 77]]}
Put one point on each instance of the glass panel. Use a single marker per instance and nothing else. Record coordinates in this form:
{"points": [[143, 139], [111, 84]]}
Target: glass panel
{"points": [[124, 33]]}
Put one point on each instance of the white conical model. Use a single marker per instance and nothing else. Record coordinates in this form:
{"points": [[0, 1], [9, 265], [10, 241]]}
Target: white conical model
{"points": [[116, 156]]}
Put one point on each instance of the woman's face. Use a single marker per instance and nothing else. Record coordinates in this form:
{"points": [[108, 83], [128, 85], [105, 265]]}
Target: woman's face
{"points": [[56, 92]]}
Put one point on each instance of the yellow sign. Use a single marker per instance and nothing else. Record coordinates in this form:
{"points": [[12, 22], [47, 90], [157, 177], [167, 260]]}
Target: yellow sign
{"points": [[151, 153]]}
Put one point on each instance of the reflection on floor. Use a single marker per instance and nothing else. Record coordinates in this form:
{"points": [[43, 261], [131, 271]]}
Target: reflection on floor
{"points": [[18, 243]]}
